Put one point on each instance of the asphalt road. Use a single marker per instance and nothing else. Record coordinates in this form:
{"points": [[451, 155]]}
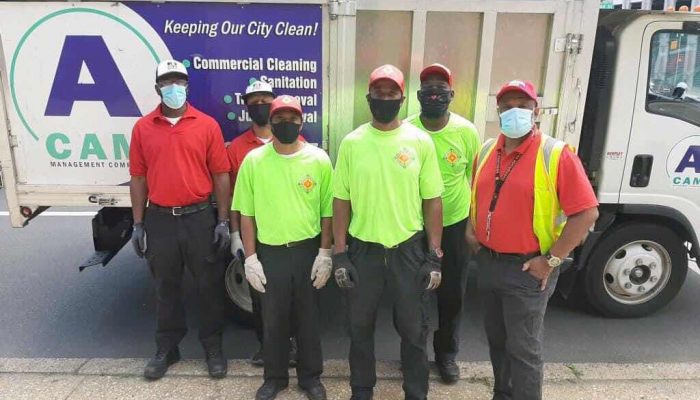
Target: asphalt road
{"points": [[49, 309]]}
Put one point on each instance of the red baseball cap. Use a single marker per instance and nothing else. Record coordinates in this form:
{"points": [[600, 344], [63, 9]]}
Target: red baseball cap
{"points": [[285, 102], [525, 87], [389, 72], [437, 69]]}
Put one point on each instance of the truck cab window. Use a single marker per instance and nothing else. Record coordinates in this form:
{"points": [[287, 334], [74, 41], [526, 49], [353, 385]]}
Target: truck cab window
{"points": [[674, 76]]}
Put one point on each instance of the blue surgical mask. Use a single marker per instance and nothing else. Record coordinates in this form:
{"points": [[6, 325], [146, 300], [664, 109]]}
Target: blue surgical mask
{"points": [[516, 122], [174, 96]]}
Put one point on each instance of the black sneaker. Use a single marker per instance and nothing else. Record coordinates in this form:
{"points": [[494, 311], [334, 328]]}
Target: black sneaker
{"points": [[158, 365], [257, 358], [315, 391], [216, 364], [292, 352], [269, 390], [449, 371]]}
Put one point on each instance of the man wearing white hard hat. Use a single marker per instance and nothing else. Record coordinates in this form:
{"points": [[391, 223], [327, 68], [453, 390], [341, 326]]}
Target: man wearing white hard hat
{"points": [[177, 160]]}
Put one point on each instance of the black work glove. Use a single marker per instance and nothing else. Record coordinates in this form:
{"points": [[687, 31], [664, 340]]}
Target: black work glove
{"points": [[138, 239], [222, 236], [344, 271], [430, 274]]}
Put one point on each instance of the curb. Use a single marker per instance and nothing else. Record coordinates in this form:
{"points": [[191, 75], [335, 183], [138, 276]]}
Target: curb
{"points": [[386, 370]]}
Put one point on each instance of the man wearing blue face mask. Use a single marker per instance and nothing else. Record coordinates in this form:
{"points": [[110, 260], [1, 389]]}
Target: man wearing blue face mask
{"points": [[177, 159], [532, 204]]}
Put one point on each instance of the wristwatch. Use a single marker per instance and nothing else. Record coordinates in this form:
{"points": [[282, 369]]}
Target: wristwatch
{"points": [[552, 260], [437, 253]]}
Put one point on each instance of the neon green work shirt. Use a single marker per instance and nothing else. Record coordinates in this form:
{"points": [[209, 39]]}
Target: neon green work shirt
{"points": [[287, 195], [385, 176], [456, 145]]}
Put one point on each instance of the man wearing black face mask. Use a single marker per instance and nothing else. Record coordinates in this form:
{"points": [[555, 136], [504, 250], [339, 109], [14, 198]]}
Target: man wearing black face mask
{"points": [[457, 143], [258, 98], [387, 192], [284, 196]]}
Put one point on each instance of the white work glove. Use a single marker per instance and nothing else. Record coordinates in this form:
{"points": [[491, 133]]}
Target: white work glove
{"points": [[254, 273], [237, 245], [321, 270]]}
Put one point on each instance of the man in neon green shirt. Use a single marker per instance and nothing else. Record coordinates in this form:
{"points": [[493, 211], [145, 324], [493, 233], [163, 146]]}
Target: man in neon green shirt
{"points": [[284, 195], [387, 191], [456, 142]]}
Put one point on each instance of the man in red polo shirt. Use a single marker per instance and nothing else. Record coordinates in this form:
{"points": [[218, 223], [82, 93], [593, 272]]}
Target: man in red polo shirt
{"points": [[177, 159], [532, 204]]}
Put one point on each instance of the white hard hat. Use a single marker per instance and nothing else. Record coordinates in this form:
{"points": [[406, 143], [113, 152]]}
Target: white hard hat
{"points": [[170, 67], [257, 86]]}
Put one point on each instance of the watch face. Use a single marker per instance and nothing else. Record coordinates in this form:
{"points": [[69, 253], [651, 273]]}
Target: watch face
{"points": [[553, 261]]}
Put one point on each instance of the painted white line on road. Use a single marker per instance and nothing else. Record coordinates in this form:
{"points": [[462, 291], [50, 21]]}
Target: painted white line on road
{"points": [[59, 214]]}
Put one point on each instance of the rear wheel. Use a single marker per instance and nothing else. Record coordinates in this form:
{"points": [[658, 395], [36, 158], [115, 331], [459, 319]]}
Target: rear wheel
{"points": [[239, 304], [635, 270]]}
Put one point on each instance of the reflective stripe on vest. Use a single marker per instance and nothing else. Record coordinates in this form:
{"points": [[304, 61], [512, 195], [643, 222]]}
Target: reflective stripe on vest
{"points": [[548, 220]]}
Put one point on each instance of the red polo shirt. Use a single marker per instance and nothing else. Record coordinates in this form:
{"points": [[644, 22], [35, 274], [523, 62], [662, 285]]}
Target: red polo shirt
{"points": [[240, 147], [178, 160], [511, 223]]}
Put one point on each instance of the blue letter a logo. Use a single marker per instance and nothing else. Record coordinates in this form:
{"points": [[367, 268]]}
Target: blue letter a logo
{"points": [[107, 84], [691, 159]]}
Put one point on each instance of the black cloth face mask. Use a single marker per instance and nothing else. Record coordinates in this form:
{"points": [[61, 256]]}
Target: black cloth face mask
{"points": [[286, 132], [434, 103], [384, 111], [259, 113]]}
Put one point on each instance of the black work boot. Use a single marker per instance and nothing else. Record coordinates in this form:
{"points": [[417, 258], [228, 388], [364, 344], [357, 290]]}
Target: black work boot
{"points": [[292, 352], [314, 391], [216, 363], [362, 393], [449, 371], [269, 390], [158, 365]]}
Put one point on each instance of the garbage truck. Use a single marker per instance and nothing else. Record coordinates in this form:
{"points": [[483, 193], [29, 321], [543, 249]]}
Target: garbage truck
{"points": [[622, 87]]}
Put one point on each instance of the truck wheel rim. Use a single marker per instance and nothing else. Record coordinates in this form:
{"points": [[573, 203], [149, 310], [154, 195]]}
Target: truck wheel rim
{"points": [[637, 272], [237, 286]]}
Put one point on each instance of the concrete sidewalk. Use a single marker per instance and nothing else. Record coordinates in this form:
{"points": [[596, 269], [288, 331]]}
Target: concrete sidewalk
{"points": [[78, 379]]}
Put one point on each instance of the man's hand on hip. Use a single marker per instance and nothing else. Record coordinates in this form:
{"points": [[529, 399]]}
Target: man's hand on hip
{"points": [[344, 271], [540, 269]]}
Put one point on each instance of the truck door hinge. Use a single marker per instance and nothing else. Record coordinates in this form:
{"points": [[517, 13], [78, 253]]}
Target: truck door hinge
{"points": [[13, 141], [342, 8], [572, 44]]}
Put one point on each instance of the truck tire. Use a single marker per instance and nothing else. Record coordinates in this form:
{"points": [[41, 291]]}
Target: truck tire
{"points": [[239, 306], [635, 270]]}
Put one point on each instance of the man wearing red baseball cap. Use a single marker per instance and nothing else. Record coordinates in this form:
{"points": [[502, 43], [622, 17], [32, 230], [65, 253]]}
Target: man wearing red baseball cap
{"points": [[387, 192], [456, 142], [532, 204], [283, 192]]}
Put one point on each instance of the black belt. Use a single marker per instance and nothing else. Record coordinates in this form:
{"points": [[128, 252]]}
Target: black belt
{"points": [[291, 244], [510, 256], [178, 211], [374, 245]]}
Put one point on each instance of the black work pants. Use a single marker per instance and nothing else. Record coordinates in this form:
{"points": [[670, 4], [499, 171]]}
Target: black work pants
{"points": [[174, 242], [395, 269], [514, 309], [289, 292], [450, 294]]}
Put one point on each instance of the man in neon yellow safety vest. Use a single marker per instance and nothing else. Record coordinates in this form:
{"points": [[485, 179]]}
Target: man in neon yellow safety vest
{"points": [[532, 204]]}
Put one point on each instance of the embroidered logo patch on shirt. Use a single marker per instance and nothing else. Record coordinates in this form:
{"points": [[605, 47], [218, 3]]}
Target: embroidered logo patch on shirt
{"points": [[307, 184], [404, 157], [451, 157]]}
